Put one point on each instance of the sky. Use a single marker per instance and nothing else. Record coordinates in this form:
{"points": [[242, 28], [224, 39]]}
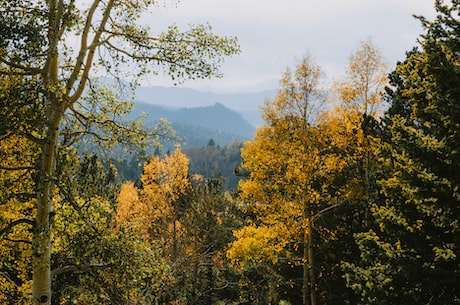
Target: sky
{"points": [[273, 34]]}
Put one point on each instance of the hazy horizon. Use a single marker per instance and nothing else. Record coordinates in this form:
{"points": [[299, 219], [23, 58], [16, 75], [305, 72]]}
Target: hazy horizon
{"points": [[272, 34]]}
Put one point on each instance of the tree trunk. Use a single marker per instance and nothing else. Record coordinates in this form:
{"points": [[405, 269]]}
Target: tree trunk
{"points": [[305, 289], [308, 276], [41, 243], [311, 270]]}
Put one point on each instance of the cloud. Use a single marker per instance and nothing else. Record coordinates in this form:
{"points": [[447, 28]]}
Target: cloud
{"points": [[272, 33]]}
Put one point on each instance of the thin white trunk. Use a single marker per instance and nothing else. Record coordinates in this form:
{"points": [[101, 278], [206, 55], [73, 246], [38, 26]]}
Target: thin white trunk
{"points": [[41, 244]]}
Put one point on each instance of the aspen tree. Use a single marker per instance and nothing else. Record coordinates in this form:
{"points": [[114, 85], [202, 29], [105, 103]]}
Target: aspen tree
{"points": [[281, 162], [57, 46]]}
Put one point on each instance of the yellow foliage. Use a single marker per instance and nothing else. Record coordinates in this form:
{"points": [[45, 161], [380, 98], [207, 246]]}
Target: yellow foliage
{"points": [[15, 247], [366, 78], [130, 209], [258, 244], [298, 166], [151, 209], [167, 177]]}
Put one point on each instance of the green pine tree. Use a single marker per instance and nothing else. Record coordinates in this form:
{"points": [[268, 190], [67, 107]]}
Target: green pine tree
{"points": [[413, 256]]}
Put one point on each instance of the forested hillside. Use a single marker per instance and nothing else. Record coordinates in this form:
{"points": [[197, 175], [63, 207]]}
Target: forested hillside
{"points": [[216, 162], [211, 161], [349, 197], [194, 126]]}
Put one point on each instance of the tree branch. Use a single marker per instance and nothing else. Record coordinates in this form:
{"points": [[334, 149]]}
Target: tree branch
{"points": [[77, 268], [29, 242], [19, 196], [324, 211], [82, 53], [139, 57], [9, 227], [16, 168], [88, 52], [7, 277], [73, 202], [25, 70]]}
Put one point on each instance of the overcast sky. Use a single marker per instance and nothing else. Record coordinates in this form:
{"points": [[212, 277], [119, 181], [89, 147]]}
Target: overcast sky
{"points": [[273, 33]]}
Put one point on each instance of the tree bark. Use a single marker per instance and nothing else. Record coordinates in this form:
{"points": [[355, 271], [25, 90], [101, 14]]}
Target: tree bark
{"points": [[41, 243], [305, 288], [311, 270], [308, 276]]}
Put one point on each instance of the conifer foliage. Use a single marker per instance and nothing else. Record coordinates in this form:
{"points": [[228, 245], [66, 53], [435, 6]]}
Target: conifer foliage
{"points": [[413, 255]]}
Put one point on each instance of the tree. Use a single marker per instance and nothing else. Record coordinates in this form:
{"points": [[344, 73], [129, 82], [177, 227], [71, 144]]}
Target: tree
{"points": [[165, 183], [188, 218], [357, 114], [209, 220], [360, 100], [91, 262], [55, 74], [412, 257], [309, 163], [280, 189], [366, 76]]}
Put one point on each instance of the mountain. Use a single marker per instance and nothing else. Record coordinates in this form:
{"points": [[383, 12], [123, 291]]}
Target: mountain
{"points": [[197, 125], [245, 103]]}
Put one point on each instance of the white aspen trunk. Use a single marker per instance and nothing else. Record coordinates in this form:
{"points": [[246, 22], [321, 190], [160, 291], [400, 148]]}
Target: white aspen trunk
{"points": [[41, 244]]}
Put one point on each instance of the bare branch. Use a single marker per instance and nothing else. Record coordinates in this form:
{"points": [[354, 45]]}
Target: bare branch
{"points": [[33, 138], [324, 211], [29, 242], [7, 277]]}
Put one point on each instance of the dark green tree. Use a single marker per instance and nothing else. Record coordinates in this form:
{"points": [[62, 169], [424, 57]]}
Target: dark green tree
{"points": [[413, 255]]}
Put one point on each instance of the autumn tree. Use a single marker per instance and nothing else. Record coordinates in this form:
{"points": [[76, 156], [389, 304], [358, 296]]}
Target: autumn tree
{"points": [[188, 218], [16, 217], [361, 89], [312, 171], [165, 183], [280, 190], [358, 105], [359, 98], [412, 256], [55, 74], [93, 263]]}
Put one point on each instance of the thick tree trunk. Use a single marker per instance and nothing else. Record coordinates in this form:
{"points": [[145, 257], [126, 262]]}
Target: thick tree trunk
{"points": [[41, 244]]}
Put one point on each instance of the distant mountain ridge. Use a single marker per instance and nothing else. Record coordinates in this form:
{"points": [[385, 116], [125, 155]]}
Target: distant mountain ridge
{"points": [[197, 125], [245, 103]]}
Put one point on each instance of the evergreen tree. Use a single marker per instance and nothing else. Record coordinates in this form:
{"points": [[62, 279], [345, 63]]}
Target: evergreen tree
{"points": [[412, 257]]}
